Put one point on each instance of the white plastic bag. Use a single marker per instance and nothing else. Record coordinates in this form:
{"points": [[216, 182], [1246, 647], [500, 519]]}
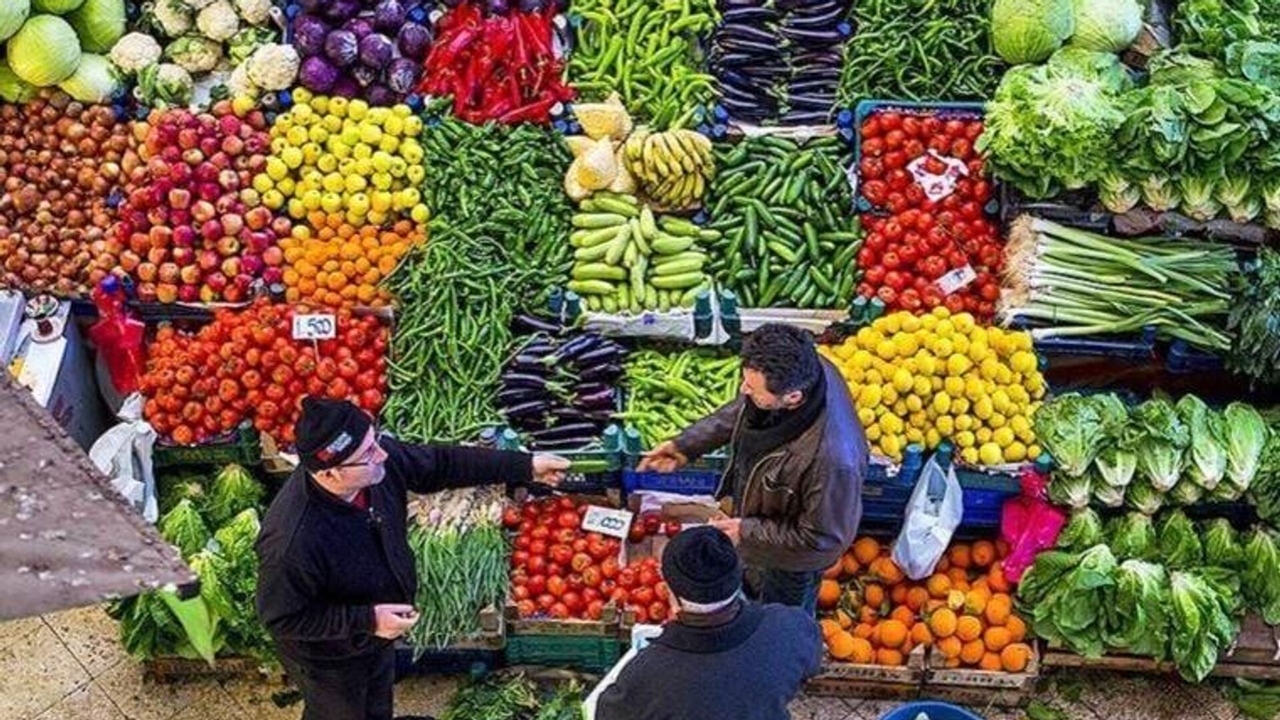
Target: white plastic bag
{"points": [[123, 454], [933, 514]]}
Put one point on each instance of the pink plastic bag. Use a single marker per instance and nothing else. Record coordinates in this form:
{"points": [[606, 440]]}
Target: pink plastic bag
{"points": [[1029, 524]]}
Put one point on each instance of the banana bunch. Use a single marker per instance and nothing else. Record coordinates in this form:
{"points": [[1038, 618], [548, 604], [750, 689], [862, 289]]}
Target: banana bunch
{"points": [[672, 167], [626, 259]]}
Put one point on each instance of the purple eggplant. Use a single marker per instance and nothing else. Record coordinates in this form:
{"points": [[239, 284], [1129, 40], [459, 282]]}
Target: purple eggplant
{"points": [[601, 373], [341, 47], [402, 75], [317, 74], [414, 40], [497, 7], [388, 15], [309, 34], [533, 324], [376, 51], [527, 409]]}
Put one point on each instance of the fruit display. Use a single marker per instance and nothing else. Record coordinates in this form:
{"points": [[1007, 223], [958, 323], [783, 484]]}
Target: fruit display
{"points": [[343, 156], [925, 379], [671, 167], [627, 259], [245, 365], [330, 262], [371, 50], [870, 614], [192, 228], [59, 162]]}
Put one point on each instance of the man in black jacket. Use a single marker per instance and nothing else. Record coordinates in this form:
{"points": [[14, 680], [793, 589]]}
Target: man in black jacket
{"points": [[337, 579], [722, 657]]}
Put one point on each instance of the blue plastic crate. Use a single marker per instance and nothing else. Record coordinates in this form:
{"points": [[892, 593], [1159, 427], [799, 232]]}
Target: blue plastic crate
{"points": [[1183, 358], [1137, 348], [933, 709]]}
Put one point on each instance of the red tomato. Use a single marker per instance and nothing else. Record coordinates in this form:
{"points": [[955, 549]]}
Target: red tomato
{"points": [[598, 549], [620, 596], [626, 578], [642, 615], [519, 559], [541, 532], [519, 592], [560, 554], [672, 528], [872, 147], [564, 536], [568, 519], [573, 601], [526, 608], [890, 121], [591, 577], [566, 503], [595, 610], [871, 127], [652, 523], [642, 595], [537, 564], [556, 586], [580, 561], [558, 611], [545, 601], [579, 544], [537, 547], [658, 611], [609, 568], [661, 591]]}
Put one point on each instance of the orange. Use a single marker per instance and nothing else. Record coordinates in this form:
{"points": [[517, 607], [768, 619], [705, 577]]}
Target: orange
{"points": [[943, 565], [886, 656], [840, 645], [828, 594], [843, 619], [975, 602], [863, 630], [943, 623], [849, 564], [920, 634], [959, 577], [887, 570], [960, 556], [869, 614], [968, 628], [1002, 549], [998, 609], [873, 596], [917, 597], [829, 627], [903, 614], [1016, 627], [865, 550], [981, 584], [996, 639], [971, 652], [955, 600], [990, 661], [898, 594], [863, 653], [996, 579], [983, 553], [893, 633], [950, 647], [1015, 657], [934, 604], [938, 585]]}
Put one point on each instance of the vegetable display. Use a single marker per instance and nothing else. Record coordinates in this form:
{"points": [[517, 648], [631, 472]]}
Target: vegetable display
{"points": [[514, 698], [627, 259], [497, 66], [871, 614], [561, 391], [785, 213], [649, 53], [497, 237], [330, 262], [942, 376], [1029, 31], [665, 393], [59, 164], [1254, 319], [921, 51], [936, 246], [192, 227], [1088, 284], [245, 365], [461, 559], [372, 51], [779, 61]]}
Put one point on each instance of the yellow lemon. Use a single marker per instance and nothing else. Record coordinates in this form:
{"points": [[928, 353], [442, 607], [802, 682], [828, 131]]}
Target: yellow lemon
{"points": [[1003, 437], [866, 415], [983, 434], [942, 347], [960, 405], [945, 425], [869, 397], [958, 365], [990, 454], [872, 432], [926, 364], [891, 446], [954, 385], [914, 403], [1015, 452], [969, 456], [900, 408], [964, 422], [902, 380], [906, 345], [914, 435], [922, 386], [886, 350], [910, 324], [1022, 362], [982, 407], [941, 403], [932, 438], [965, 439], [1033, 452], [963, 322]]}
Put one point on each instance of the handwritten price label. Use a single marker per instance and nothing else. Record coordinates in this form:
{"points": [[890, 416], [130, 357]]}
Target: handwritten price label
{"points": [[319, 326], [607, 521]]}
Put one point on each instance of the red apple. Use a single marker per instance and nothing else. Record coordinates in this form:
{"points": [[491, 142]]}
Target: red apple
{"points": [[183, 256], [184, 236], [147, 273], [232, 267], [281, 226], [211, 230], [202, 211], [166, 292], [216, 280], [228, 246], [273, 256], [189, 274], [170, 273], [209, 260], [157, 255], [189, 293], [257, 218]]}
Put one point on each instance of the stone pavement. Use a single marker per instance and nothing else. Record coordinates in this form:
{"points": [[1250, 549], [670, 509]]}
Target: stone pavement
{"points": [[70, 666]]}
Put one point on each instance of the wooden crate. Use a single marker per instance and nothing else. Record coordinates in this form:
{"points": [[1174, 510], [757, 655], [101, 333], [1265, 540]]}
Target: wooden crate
{"points": [[176, 669], [970, 686], [872, 682]]}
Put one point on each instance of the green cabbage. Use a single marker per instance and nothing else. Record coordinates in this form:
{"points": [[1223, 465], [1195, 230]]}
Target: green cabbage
{"points": [[1161, 441], [1028, 31], [1207, 456], [1201, 612], [13, 89], [184, 528], [96, 80], [1106, 25], [1137, 616], [1082, 531], [12, 14], [1246, 437], [57, 7], [1222, 546], [1260, 575], [233, 491], [1070, 427], [99, 23], [1180, 547], [45, 51], [1133, 536]]}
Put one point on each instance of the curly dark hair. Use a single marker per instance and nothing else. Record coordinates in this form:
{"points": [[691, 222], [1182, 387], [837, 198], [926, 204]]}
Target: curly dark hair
{"points": [[785, 355]]}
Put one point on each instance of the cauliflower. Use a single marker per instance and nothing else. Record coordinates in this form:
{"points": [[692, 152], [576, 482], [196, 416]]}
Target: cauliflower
{"points": [[134, 52], [194, 53], [247, 41], [273, 67], [165, 85], [198, 4], [254, 12], [218, 21], [239, 83], [171, 17]]}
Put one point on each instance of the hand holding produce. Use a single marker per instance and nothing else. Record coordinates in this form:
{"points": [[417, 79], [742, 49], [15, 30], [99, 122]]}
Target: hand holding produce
{"points": [[666, 393], [330, 262], [941, 376]]}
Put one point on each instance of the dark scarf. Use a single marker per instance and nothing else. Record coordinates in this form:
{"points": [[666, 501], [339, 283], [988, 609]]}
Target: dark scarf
{"points": [[763, 431]]}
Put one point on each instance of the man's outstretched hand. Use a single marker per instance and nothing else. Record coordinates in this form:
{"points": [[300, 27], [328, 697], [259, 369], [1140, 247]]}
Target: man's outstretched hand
{"points": [[549, 469], [664, 459]]}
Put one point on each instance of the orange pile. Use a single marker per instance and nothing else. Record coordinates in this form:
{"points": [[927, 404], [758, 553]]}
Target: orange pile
{"points": [[871, 614], [330, 262]]}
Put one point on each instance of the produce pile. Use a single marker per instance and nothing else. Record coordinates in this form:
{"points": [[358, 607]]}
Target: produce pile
{"points": [[331, 262], [940, 377], [1253, 320], [779, 60], [214, 523], [1165, 588], [649, 53], [362, 49], [245, 366], [513, 698], [665, 393], [785, 213], [60, 43], [59, 162], [497, 65], [929, 240], [963, 613], [461, 559], [192, 228], [1156, 453]]}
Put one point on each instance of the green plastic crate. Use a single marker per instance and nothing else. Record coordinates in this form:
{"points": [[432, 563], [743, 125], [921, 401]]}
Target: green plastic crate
{"points": [[242, 447], [581, 652]]}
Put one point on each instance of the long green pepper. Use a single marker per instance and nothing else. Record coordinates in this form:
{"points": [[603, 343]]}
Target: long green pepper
{"points": [[668, 392]]}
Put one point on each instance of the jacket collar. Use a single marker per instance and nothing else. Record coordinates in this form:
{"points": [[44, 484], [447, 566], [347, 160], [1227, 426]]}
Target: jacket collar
{"points": [[704, 640]]}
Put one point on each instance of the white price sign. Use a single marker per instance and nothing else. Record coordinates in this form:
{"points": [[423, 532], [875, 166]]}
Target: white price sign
{"points": [[956, 280], [318, 326], [607, 521]]}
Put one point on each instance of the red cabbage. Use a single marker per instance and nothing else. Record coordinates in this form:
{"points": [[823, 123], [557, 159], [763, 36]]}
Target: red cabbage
{"points": [[414, 40], [381, 95], [341, 9], [497, 7], [346, 87], [388, 15], [376, 50], [341, 47], [309, 33], [311, 5], [364, 75], [360, 26], [402, 75], [317, 75]]}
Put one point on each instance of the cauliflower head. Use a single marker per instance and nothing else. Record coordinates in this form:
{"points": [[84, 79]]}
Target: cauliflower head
{"points": [[194, 54], [273, 67], [171, 17], [134, 51], [254, 12], [239, 83], [198, 4], [218, 21], [165, 85]]}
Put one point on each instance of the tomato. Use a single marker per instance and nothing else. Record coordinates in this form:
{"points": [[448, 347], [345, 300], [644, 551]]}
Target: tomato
{"points": [[581, 561], [648, 577], [642, 595], [541, 532], [954, 128], [652, 523], [973, 130], [510, 517], [661, 591], [894, 140], [609, 568], [595, 610], [537, 564], [537, 584], [636, 533], [619, 596], [872, 147], [910, 299], [545, 602], [566, 503], [599, 550], [556, 585], [573, 601], [891, 260], [658, 611], [911, 126], [642, 616], [887, 295], [555, 569], [874, 275], [560, 554], [989, 291], [894, 162], [519, 593], [871, 127], [537, 546], [526, 608], [913, 149], [890, 121], [626, 578], [579, 544], [874, 191], [954, 303], [672, 528], [565, 536], [568, 519], [519, 558], [592, 577]]}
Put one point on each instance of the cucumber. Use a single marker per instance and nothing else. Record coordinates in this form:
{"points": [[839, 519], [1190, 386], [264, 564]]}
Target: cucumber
{"points": [[670, 244], [592, 287], [598, 271], [679, 267], [598, 220], [678, 282]]}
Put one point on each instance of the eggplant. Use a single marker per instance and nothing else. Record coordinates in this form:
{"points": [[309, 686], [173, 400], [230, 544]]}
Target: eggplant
{"points": [[531, 408], [601, 373], [596, 398], [749, 46], [810, 102], [808, 117], [830, 21], [813, 37], [591, 388], [608, 355], [509, 397], [750, 14], [525, 380], [530, 324], [744, 32], [531, 359], [577, 347]]}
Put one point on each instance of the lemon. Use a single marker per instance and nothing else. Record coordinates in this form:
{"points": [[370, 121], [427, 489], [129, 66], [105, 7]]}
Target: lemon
{"points": [[958, 365], [940, 312], [888, 395], [941, 347], [919, 419], [869, 398], [983, 434], [1003, 436], [872, 433], [862, 360], [941, 403], [886, 350], [867, 337], [990, 454], [890, 424], [990, 368], [910, 324], [954, 385], [936, 382], [960, 405], [929, 322], [1004, 376], [892, 322], [1015, 452], [1023, 362], [866, 415], [914, 435], [922, 386], [914, 403], [963, 322], [932, 438], [900, 408], [969, 456], [945, 328], [891, 446], [902, 380], [905, 344], [982, 407], [965, 439], [873, 377], [964, 422], [1033, 452], [926, 364], [1000, 401], [979, 351]]}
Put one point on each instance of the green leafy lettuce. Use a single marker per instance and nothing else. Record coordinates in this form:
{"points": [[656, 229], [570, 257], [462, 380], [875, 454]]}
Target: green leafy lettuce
{"points": [[1206, 459], [1082, 531], [1180, 546], [1246, 437], [185, 528], [1142, 496], [1137, 617], [1260, 575], [1162, 439], [1071, 428], [233, 491], [1133, 536], [1222, 547], [1202, 613], [1072, 613]]}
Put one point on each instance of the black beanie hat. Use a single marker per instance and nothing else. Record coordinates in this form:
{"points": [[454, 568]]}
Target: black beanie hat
{"points": [[701, 565], [329, 432]]}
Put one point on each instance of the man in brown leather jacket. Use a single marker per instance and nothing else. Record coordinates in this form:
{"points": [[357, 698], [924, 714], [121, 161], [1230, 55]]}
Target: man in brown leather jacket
{"points": [[797, 457]]}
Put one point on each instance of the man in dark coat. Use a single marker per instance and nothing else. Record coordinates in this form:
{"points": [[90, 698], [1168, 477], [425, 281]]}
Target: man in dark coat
{"points": [[337, 579], [723, 657], [797, 458]]}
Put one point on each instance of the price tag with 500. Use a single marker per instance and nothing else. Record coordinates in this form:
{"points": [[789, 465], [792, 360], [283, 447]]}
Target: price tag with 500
{"points": [[317, 326]]}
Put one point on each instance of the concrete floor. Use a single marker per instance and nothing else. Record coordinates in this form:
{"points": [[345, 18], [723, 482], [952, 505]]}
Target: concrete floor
{"points": [[69, 666]]}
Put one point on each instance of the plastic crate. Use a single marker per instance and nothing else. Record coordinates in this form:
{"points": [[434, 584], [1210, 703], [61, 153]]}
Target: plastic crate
{"points": [[699, 477], [1140, 348], [930, 708], [1183, 358], [242, 447], [592, 654], [697, 324], [609, 452]]}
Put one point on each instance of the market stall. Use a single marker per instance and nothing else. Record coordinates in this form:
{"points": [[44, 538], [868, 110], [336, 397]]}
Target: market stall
{"points": [[1035, 239]]}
